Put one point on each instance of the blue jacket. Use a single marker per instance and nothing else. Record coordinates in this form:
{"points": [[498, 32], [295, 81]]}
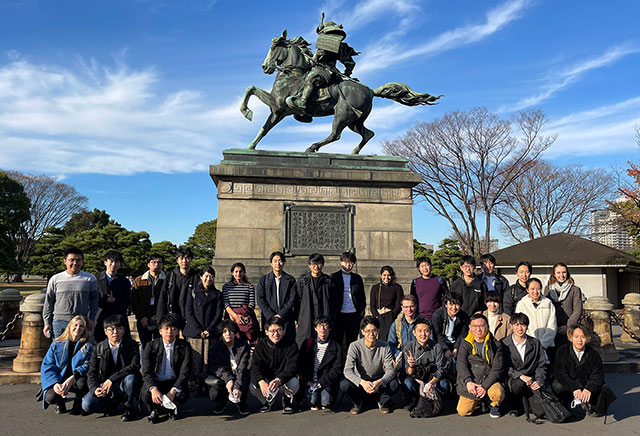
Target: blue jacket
{"points": [[56, 361]]}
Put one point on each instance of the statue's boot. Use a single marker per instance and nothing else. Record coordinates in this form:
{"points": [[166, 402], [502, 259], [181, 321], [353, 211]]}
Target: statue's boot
{"points": [[303, 118]]}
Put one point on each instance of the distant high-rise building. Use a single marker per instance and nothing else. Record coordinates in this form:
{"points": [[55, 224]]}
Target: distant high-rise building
{"points": [[606, 229], [493, 245]]}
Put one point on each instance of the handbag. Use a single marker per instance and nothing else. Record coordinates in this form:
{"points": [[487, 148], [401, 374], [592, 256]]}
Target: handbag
{"points": [[554, 411]]}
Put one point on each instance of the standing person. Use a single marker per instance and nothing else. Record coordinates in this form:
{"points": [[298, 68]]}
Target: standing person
{"points": [[229, 369], [541, 313], [490, 277], [69, 293], [276, 294], [499, 325], [114, 372], [470, 287], [320, 364], [450, 325], [369, 369], [579, 376], [204, 313], [274, 368], [518, 290], [407, 323], [567, 300], [64, 367], [314, 297], [180, 281], [239, 298], [385, 300], [144, 297], [480, 365], [428, 289], [526, 364], [166, 368], [348, 293], [114, 292]]}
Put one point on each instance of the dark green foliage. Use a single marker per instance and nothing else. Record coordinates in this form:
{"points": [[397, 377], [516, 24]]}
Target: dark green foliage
{"points": [[168, 250], [419, 251], [203, 243], [14, 210], [86, 220], [445, 258]]}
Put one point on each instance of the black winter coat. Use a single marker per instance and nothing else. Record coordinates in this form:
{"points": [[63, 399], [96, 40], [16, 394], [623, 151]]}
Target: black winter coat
{"points": [[331, 366], [173, 295], [460, 327], [584, 374], [203, 312], [180, 363], [272, 361], [313, 303], [220, 363], [534, 364], [128, 359], [266, 295], [473, 294]]}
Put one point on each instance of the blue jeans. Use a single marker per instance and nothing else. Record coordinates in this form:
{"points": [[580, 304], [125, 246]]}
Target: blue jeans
{"points": [[320, 397], [58, 326], [410, 387], [128, 388]]}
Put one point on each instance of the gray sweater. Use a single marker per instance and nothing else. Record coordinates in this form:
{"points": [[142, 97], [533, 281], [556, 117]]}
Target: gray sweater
{"points": [[70, 295], [364, 363]]}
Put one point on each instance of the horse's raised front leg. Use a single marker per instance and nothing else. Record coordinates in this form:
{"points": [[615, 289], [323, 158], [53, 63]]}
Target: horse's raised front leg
{"points": [[263, 95], [272, 120]]}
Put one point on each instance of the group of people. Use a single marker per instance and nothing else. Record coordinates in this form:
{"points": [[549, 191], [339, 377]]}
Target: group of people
{"points": [[492, 344]]}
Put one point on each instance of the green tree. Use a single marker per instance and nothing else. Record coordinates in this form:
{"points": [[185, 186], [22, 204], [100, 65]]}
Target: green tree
{"points": [[46, 258], [168, 250], [419, 251], [14, 211], [203, 243], [445, 258], [86, 220]]}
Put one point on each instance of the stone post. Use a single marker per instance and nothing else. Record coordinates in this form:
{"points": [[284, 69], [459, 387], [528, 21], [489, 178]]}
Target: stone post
{"points": [[598, 309], [10, 304], [33, 344], [631, 303]]}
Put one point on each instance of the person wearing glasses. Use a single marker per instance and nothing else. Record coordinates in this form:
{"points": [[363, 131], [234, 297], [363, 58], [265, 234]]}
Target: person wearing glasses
{"points": [[274, 368], [369, 369]]}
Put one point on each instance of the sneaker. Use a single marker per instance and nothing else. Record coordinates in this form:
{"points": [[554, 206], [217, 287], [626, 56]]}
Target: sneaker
{"points": [[242, 409], [314, 408], [494, 412], [265, 407], [61, 408], [355, 409], [287, 405]]}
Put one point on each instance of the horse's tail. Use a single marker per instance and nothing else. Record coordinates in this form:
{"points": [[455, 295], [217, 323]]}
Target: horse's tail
{"points": [[398, 91]]}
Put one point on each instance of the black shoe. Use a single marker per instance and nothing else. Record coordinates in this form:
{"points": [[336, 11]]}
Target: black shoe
{"points": [[174, 415], [411, 405], [154, 416], [77, 407], [242, 409], [61, 408], [111, 410], [355, 409], [265, 407], [218, 409], [128, 415], [287, 405], [515, 413]]}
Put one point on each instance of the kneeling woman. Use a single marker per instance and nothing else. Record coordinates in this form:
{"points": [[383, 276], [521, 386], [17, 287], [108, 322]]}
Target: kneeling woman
{"points": [[229, 369], [65, 367], [579, 374]]}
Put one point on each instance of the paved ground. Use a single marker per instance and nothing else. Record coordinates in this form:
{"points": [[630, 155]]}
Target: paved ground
{"points": [[20, 414]]}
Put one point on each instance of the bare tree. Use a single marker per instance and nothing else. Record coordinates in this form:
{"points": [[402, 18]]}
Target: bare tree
{"points": [[549, 199], [52, 204], [467, 160]]}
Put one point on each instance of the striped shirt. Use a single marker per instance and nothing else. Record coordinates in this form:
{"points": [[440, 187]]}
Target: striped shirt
{"points": [[235, 295], [322, 348]]}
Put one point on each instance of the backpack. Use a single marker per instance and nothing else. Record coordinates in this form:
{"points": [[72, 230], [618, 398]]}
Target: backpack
{"points": [[544, 404], [427, 407]]}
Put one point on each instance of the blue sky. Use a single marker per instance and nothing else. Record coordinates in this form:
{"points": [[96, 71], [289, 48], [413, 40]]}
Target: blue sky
{"points": [[131, 101]]}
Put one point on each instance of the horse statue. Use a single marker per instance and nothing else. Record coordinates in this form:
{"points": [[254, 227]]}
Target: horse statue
{"points": [[348, 100]]}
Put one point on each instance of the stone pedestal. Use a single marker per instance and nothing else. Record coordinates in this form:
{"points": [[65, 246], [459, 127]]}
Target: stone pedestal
{"points": [[33, 344], [598, 309], [302, 203], [631, 316], [9, 306]]}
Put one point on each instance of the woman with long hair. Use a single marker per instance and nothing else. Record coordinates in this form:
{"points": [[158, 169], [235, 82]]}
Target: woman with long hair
{"points": [[64, 368], [239, 297], [567, 299], [386, 300]]}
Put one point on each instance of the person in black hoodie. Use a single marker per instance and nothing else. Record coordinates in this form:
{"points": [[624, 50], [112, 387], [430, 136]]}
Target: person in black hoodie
{"points": [[274, 368], [518, 290], [114, 293], [470, 287], [347, 288], [180, 281], [114, 372]]}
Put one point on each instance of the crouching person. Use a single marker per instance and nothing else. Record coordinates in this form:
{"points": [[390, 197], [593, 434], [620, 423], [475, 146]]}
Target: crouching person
{"points": [[321, 363], [274, 368], [423, 366], [369, 369], [114, 372], [166, 370], [480, 365], [228, 369]]}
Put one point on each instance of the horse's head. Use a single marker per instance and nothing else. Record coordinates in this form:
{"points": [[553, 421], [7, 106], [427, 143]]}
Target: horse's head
{"points": [[277, 53]]}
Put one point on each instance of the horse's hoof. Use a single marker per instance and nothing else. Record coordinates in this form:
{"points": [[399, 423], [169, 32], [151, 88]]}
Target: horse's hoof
{"points": [[356, 151], [251, 147], [311, 149]]}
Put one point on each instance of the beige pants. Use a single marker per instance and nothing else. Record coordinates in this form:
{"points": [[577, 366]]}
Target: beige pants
{"points": [[466, 406]]}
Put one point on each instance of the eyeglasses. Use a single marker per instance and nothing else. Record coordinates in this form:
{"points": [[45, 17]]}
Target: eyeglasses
{"points": [[113, 329], [274, 331], [370, 331]]}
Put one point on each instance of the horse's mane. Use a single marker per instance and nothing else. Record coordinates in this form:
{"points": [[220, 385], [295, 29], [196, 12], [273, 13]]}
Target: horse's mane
{"points": [[303, 45]]}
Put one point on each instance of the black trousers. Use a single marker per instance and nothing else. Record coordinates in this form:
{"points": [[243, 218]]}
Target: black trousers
{"points": [[219, 394], [356, 394], [599, 401], [164, 387], [79, 387], [347, 329]]}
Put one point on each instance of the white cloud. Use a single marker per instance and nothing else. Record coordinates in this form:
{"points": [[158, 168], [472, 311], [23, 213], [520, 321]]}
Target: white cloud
{"points": [[384, 53], [558, 80]]}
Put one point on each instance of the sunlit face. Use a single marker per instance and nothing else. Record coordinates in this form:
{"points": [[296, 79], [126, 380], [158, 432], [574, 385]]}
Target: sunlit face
{"points": [[425, 269], [238, 274], [347, 265], [386, 277], [409, 309], [520, 330], [155, 266], [488, 266], [316, 269], [452, 308], [168, 333], [523, 274], [479, 329], [578, 339], [112, 266], [274, 333], [322, 330], [422, 333], [277, 264], [184, 262], [73, 262], [561, 273], [207, 280], [77, 330], [493, 306], [370, 334], [467, 269], [534, 290], [114, 334], [228, 337]]}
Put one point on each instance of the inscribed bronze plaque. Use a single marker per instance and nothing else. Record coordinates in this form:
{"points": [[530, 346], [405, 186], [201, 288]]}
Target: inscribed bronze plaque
{"points": [[327, 230]]}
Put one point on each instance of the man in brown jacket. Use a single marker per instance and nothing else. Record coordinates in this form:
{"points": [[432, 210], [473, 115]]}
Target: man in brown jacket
{"points": [[144, 296]]}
